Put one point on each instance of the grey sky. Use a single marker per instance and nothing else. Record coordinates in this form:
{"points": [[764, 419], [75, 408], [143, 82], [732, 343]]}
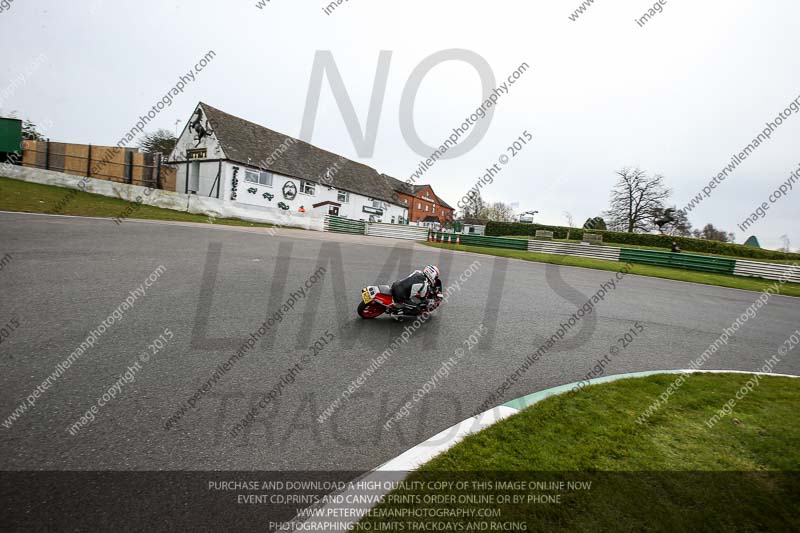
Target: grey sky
{"points": [[679, 96]]}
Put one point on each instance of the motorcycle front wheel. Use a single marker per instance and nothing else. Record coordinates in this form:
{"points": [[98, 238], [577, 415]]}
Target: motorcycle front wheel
{"points": [[370, 310]]}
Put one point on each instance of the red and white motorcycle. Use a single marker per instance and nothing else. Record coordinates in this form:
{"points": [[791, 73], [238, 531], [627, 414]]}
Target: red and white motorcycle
{"points": [[378, 300]]}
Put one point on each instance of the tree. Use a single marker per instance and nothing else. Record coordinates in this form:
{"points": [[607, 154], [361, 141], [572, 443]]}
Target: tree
{"points": [[474, 205], [710, 233], [498, 211], [596, 223], [634, 199], [672, 221], [570, 222], [786, 244], [30, 131], [160, 141]]}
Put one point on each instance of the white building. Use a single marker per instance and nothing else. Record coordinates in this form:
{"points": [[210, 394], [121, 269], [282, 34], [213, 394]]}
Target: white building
{"points": [[228, 158]]}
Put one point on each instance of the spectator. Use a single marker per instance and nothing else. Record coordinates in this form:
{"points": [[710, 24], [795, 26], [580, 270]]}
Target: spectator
{"points": [[675, 247]]}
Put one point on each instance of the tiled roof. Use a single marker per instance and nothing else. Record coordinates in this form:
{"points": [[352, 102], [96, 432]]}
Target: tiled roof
{"points": [[474, 221], [445, 204], [412, 190], [250, 144], [397, 185]]}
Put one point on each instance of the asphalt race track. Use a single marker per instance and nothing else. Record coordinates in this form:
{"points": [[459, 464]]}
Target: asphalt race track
{"points": [[68, 274]]}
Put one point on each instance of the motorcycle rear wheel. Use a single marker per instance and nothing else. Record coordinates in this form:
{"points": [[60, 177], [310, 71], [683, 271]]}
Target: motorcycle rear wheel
{"points": [[370, 310]]}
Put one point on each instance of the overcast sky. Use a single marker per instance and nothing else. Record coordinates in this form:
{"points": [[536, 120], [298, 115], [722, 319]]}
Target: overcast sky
{"points": [[678, 96]]}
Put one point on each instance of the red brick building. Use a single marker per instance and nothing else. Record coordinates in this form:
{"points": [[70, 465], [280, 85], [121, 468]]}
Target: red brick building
{"points": [[425, 208]]}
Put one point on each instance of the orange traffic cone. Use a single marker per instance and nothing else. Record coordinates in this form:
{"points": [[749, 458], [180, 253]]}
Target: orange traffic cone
{"points": [[430, 237], [458, 240], [449, 239]]}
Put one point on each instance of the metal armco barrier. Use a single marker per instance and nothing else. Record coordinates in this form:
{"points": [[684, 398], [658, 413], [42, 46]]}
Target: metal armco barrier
{"points": [[582, 250], [359, 227], [703, 263], [491, 242], [756, 269], [397, 231], [345, 225]]}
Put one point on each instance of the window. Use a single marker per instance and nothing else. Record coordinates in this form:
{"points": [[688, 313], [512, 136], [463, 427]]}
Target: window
{"points": [[250, 176], [259, 178], [343, 197], [265, 178], [426, 208], [419, 205], [307, 187]]}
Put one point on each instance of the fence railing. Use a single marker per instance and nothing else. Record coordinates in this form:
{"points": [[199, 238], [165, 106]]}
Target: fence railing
{"points": [[337, 224], [582, 250], [345, 225], [702, 263], [397, 231], [493, 242], [767, 270]]}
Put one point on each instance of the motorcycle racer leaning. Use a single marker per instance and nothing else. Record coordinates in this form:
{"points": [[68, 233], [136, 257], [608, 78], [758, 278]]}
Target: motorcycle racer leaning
{"points": [[417, 289]]}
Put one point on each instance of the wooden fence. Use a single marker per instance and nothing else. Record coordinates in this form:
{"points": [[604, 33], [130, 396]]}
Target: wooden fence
{"points": [[121, 165]]}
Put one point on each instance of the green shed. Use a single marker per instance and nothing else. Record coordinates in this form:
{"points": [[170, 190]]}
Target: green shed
{"points": [[10, 135]]}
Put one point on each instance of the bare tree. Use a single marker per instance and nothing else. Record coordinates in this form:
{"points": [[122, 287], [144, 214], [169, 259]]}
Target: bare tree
{"points": [[787, 244], [710, 233], [498, 211], [634, 199], [570, 222], [473, 205]]}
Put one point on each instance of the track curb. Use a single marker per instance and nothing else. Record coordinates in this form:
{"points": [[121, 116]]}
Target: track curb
{"points": [[396, 470]]}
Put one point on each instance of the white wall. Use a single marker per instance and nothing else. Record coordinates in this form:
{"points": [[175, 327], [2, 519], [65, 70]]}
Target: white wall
{"points": [[353, 209], [167, 199], [188, 141], [207, 176]]}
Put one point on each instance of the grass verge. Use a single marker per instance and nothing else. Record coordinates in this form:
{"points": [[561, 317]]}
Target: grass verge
{"points": [[671, 472], [707, 278], [16, 195]]}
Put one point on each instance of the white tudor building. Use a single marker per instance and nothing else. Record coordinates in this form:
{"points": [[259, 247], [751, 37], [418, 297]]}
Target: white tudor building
{"points": [[225, 157]]}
